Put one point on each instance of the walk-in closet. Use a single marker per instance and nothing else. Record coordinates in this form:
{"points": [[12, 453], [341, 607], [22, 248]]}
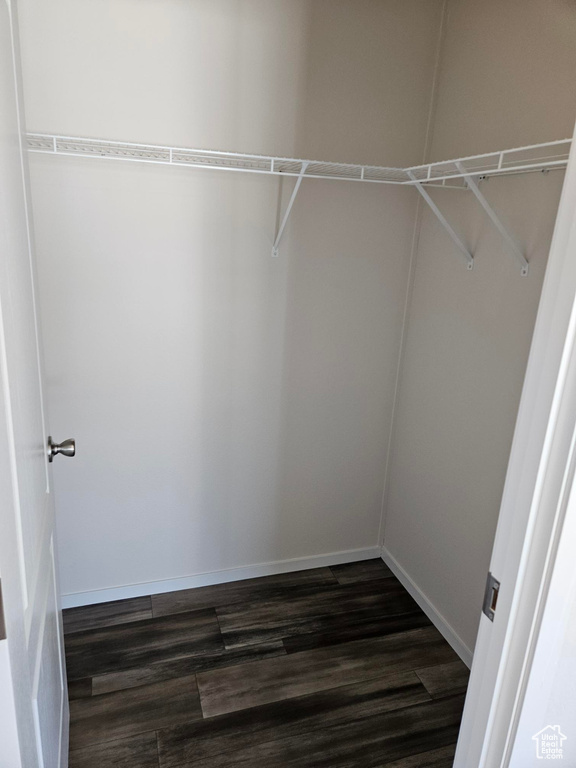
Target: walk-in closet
{"points": [[288, 256]]}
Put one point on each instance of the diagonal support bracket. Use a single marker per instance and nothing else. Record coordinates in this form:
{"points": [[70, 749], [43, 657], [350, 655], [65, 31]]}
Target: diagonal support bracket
{"points": [[512, 243], [282, 226], [442, 219]]}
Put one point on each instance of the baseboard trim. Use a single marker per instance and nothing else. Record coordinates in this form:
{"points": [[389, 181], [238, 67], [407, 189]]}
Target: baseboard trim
{"points": [[429, 609], [75, 599]]}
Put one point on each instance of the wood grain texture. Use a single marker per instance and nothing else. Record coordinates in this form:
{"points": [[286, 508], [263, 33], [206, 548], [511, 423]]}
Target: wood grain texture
{"points": [[80, 689], [328, 668], [134, 752], [239, 591], [137, 710], [124, 646], [326, 610], [262, 682], [364, 570], [240, 730], [445, 679], [366, 743], [106, 614], [187, 665], [435, 758], [362, 629]]}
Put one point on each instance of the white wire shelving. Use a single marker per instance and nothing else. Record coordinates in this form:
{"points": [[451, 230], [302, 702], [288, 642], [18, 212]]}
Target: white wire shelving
{"points": [[215, 160], [535, 157], [461, 173], [545, 156]]}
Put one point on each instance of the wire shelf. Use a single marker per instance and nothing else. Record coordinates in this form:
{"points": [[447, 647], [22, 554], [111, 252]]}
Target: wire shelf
{"points": [[553, 154], [231, 161], [462, 173]]}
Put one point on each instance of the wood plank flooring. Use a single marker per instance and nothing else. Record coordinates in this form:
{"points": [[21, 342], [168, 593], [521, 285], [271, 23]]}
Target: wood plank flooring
{"points": [[326, 668]]}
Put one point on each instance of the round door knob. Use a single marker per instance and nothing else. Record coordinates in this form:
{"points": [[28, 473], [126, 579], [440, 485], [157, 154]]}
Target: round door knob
{"points": [[65, 448]]}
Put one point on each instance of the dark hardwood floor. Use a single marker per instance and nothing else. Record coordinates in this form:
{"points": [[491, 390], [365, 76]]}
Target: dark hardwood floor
{"points": [[327, 668]]}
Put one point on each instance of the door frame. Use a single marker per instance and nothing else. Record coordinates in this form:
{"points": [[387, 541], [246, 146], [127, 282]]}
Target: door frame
{"points": [[538, 482]]}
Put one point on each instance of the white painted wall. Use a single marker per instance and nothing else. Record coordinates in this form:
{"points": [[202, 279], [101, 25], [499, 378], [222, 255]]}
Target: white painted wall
{"points": [[229, 409], [506, 79], [328, 79]]}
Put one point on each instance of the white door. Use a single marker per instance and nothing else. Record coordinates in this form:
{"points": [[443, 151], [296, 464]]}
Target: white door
{"points": [[534, 502], [33, 703]]}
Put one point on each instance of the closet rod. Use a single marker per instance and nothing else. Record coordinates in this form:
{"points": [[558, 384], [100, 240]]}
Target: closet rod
{"points": [[549, 155]]}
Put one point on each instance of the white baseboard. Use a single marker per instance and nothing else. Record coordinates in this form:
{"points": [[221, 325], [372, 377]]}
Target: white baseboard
{"points": [[76, 599], [429, 609]]}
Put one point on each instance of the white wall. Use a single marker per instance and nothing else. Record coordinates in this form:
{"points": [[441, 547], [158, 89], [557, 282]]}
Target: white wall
{"points": [[229, 408], [367, 80], [506, 79], [325, 79]]}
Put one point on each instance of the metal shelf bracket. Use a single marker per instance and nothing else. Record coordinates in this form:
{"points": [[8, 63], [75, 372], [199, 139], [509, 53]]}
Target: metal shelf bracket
{"points": [[446, 174], [289, 208], [442, 219], [510, 240]]}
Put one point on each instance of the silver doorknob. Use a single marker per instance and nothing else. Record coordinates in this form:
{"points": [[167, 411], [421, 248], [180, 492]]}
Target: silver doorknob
{"points": [[66, 448]]}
